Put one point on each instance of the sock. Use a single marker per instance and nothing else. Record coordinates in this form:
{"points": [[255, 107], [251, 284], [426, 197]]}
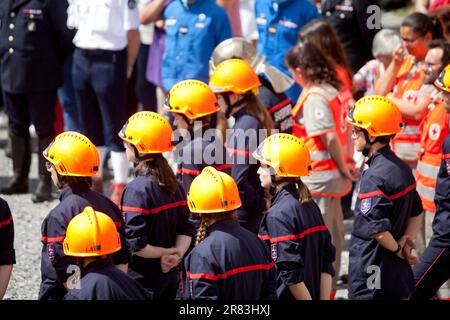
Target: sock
{"points": [[119, 163]]}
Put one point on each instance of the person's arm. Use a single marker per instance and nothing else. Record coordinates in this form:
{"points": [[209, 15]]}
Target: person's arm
{"points": [[331, 142], [154, 252], [5, 274], [412, 110], [152, 11], [386, 81], [325, 286], [414, 224], [134, 42], [300, 291]]}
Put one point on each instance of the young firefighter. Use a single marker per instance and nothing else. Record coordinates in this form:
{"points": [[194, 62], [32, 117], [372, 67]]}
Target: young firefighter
{"points": [[299, 239], [434, 267], [228, 261], [92, 238], [388, 210], [72, 160], [235, 84], [192, 103], [154, 206], [7, 253]]}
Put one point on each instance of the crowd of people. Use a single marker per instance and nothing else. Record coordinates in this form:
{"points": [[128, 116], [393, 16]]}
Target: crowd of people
{"points": [[273, 123]]}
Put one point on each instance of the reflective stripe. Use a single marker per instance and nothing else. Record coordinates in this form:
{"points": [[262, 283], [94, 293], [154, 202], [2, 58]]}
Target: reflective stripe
{"points": [[425, 192], [154, 210], [406, 146], [320, 155], [52, 239], [322, 175], [293, 236], [6, 222], [411, 130], [215, 277], [427, 170]]}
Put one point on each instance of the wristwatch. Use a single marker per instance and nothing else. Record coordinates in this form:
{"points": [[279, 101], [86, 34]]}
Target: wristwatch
{"points": [[398, 249]]}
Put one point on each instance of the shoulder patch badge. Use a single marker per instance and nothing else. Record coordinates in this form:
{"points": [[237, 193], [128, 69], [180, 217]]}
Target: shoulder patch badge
{"points": [[365, 205], [319, 114], [273, 251], [51, 251]]}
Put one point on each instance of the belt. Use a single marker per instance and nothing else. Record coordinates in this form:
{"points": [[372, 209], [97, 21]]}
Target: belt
{"points": [[96, 52]]}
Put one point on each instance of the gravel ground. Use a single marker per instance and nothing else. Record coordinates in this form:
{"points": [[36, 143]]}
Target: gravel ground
{"points": [[28, 217]]}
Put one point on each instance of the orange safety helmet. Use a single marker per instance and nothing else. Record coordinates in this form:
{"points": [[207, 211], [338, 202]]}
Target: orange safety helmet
{"points": [[376, 114], [91, 234], [73, 154], [192, 98], [443, 81], [213, 191], [286, 154], [234, 75], [149, 132]]}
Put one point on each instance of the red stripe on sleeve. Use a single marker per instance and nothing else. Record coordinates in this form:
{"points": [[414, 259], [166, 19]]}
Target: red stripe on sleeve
{"points": [[6, 222], [230, 272]]}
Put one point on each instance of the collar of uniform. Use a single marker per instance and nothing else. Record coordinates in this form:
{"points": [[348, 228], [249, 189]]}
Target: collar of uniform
{"points": [[384, 150], [190, 5], [288, 189], [74, 189], [98, 264], [223, 225], [240, 113]]}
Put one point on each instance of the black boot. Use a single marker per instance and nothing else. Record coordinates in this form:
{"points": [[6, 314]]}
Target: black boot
{"points": [[21, 157], [44, 189]]}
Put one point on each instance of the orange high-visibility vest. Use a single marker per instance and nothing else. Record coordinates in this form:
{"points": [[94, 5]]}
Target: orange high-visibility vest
{"points": [[434, 128], [407, 88], [321, 160]]}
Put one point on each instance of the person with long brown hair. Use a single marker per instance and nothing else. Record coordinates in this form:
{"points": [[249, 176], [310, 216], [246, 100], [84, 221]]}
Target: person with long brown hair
{"points": [[324, 36], [319, 118], [293, 226], [228, 262], [235, 84], [154, 206]]}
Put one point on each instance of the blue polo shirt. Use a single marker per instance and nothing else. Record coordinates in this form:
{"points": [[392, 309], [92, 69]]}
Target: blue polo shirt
{"points": [[192, 33], [278, 24]]}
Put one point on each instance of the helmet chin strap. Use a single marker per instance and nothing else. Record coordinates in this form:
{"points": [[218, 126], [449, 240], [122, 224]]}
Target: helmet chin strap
{"points": [[138, 158], [230, 106], [368, 144]]}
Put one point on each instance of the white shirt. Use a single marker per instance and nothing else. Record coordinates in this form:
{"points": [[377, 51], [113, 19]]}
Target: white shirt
{"points": [[103, 24], [146, 30]]}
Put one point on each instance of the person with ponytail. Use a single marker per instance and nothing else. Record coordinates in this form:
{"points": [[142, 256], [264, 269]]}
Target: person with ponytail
{"points": [[403, 79], [293, 227], [72, 160], [154, 206], [192, 103], [319, 118], [235, 84], [228, 262]]}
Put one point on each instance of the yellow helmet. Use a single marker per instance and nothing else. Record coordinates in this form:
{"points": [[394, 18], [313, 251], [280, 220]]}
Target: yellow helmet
{"points": [[91, 234], [192, 98], [286, 154], [443, 81], [377, 114], [149, 132], [213, 191], [73, 154], [234, 75]]}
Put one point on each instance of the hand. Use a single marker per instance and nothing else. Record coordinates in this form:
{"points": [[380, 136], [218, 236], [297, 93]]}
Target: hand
{"points": [[406, 253], [159, 24], [169, 261], [350, 172], [169, 251], [399, 54]]}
